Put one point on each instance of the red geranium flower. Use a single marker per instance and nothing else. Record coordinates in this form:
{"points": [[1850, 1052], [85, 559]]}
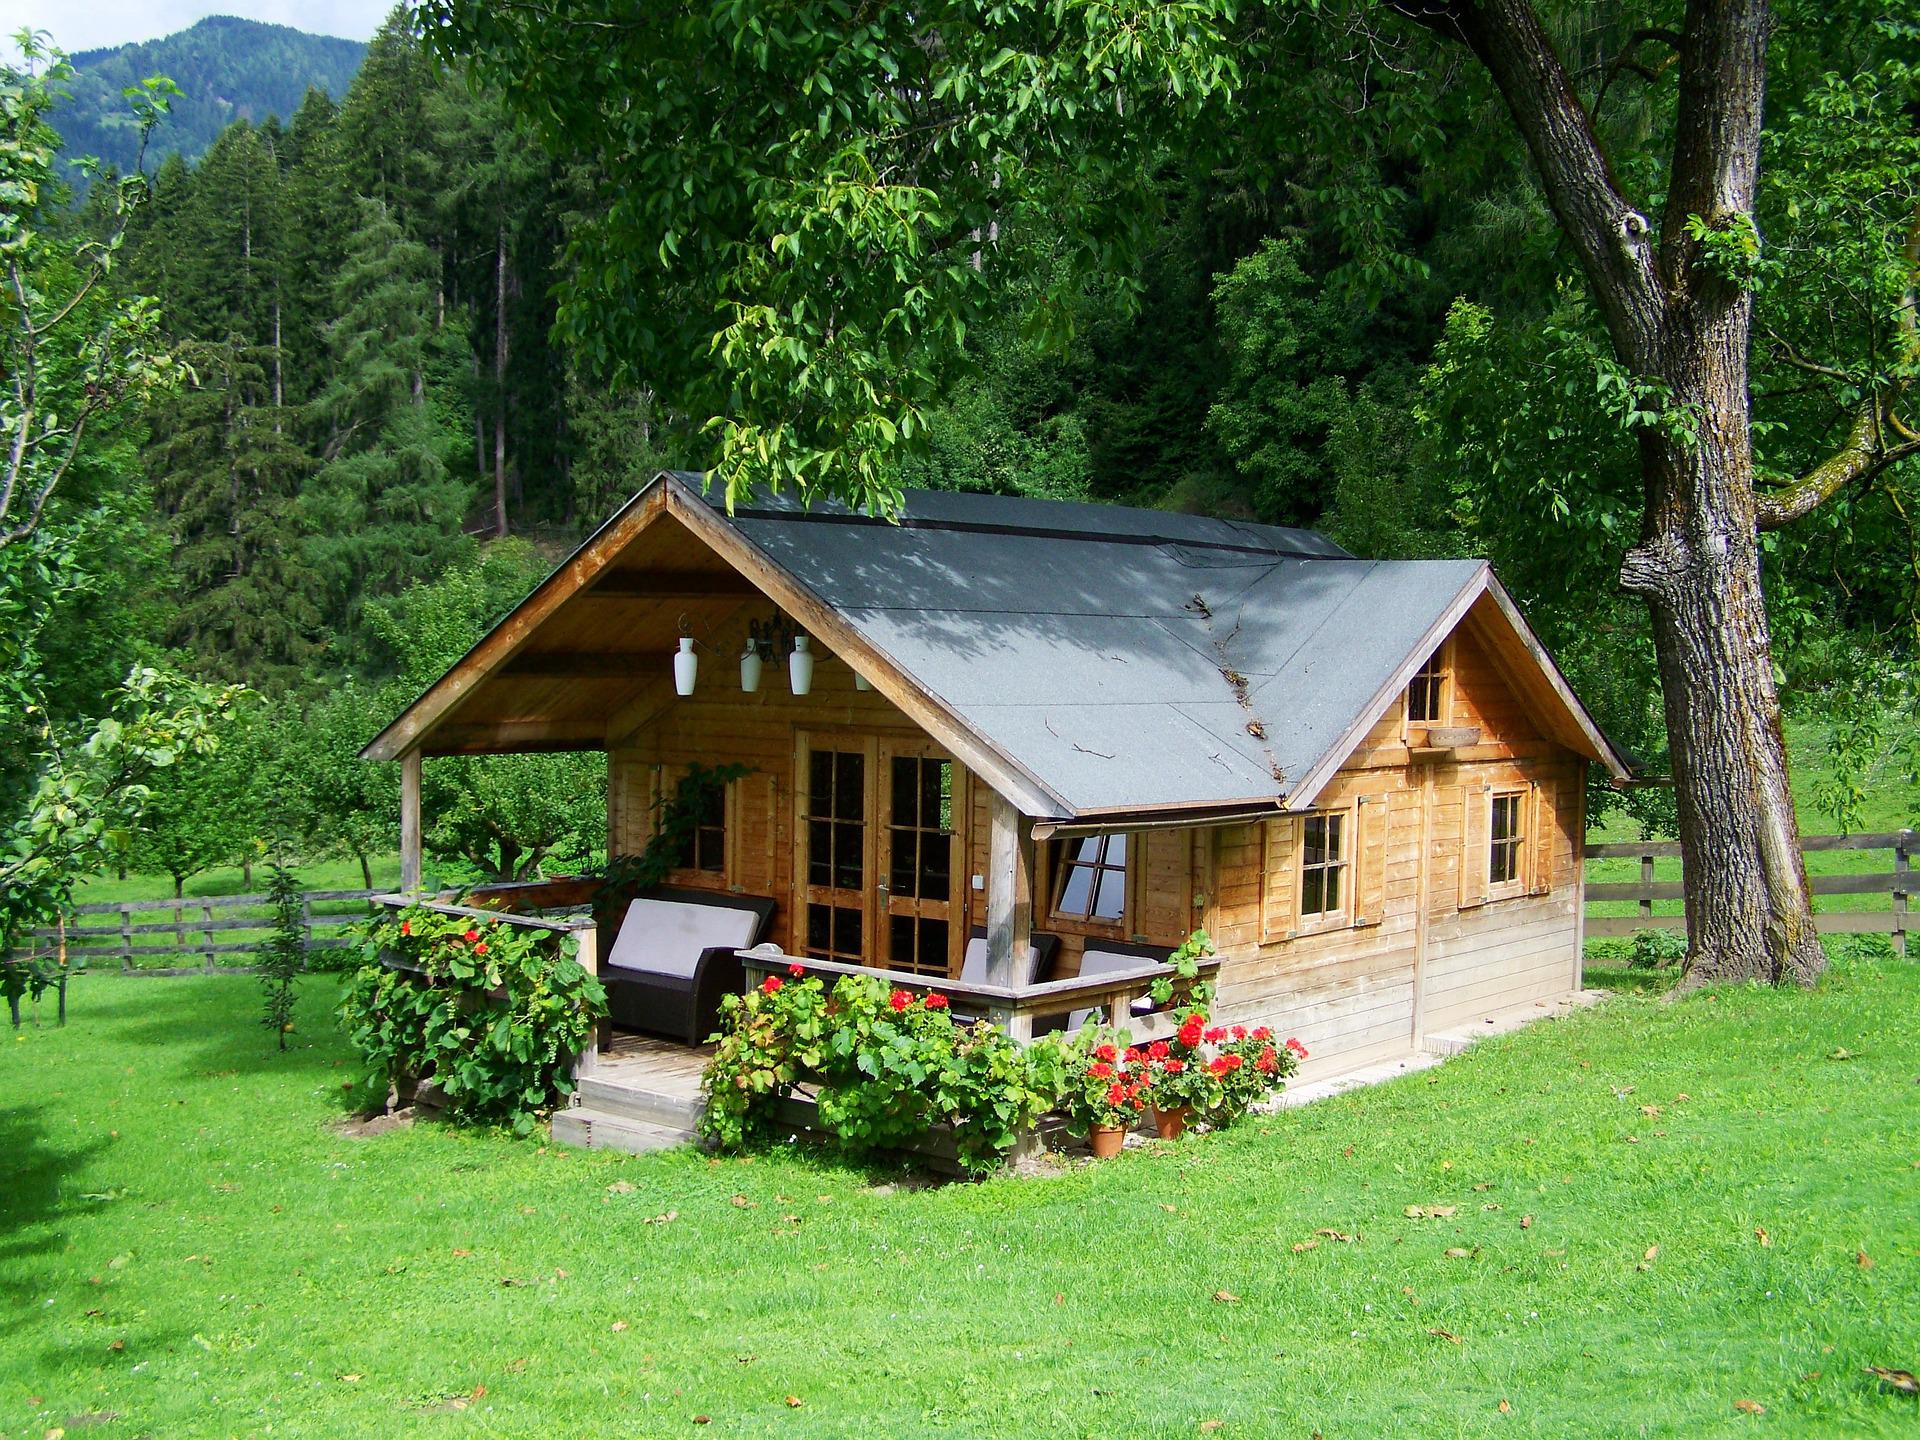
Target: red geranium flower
{"points": [[899, 1000], [1239, 1032], [1234, 1062], [481, 948], [1218, 1065], [1105, 1052], [796, 969], [1190, 1029], [1215, 1035], [771, 984], [1268, 1061], [1133, 1056], [1174, 1067], [1116, 1094], [1159, 1050], [406, 927], [1265, 1032], [1297, 1048], [1100, 1070], [936, 1002], [471, 936]]}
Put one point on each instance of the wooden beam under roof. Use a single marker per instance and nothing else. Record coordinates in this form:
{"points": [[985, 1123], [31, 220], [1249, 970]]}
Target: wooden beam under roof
{"points": [[587, 664], [670, 585], [510, 737]]}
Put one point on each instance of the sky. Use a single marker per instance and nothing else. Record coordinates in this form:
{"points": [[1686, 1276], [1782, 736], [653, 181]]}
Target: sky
{"points": [[90, 24]]}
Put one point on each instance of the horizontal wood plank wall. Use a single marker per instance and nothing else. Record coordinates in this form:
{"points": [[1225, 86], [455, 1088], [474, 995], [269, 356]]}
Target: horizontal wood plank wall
{"points": [[719, 725], [1349, 993]]}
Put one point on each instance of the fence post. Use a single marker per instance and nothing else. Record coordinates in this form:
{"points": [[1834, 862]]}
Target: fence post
{"points": [[206, 915], [306, 926], [126, 937], [1646, 887], [1902, 869]]}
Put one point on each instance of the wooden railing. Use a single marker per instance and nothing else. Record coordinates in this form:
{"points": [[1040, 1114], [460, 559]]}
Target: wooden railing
{"points": [[1895, 883], [159, 937], [1013, 1008]]}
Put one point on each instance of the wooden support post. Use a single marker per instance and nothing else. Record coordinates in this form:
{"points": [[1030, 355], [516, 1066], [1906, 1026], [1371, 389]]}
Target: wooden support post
{"points": [[1646, 887], [410, 821], [1009, 892], [206, 935], [588, 954], [126, 937], [1902, 880]]}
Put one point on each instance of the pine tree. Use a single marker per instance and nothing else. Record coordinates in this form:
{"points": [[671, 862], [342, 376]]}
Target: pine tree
{"points": [[387, 506]]}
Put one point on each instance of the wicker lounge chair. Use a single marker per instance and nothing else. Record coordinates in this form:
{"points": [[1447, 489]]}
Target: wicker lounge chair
{"points": [[674, 957]]}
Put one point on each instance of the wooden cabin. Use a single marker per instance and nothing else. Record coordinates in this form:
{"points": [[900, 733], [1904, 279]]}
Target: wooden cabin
{"points": [[1364, 779]]}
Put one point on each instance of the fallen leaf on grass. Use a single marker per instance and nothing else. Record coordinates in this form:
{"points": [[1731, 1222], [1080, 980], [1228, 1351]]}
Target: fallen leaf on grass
{"points": [[1207, 1427], [1653, 1253], [1331, 1234], [1170, 1209], [1760, 1234], [794, 1402], [665, 1217], [1749, 1407], [1446, 1335], [1483, 1185], [1225, 1297], [1429, 1212], [1505, 1408], [1300, 1247], [1652, 1112], [620, 1187], [117, 1345], [703, 1419], [1844, 1054], [619, 1325], [1901, 1380], [1457, 1252], [741, 1202], [461, 1254], [1863, 1260], [350, 1379], [1526, 1222]]}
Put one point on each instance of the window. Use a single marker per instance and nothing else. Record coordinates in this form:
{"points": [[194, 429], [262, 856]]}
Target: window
{"points": [[1508, 833], [704, 845], [1090, 879], [1323, 865], [1427, 694]]}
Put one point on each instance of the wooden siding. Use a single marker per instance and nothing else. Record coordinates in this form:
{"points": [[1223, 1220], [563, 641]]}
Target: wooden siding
{"points": [[1425, 943]]}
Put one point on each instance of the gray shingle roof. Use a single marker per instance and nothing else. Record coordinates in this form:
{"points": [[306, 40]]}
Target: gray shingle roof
{"points": [[1119, 655]]}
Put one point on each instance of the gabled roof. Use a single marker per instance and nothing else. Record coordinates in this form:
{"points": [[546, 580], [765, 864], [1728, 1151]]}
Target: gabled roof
{"points": [[1086, 660]]}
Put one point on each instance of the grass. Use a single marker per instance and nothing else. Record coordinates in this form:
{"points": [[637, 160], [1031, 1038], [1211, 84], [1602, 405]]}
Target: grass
{"points": [[189, 1247]]}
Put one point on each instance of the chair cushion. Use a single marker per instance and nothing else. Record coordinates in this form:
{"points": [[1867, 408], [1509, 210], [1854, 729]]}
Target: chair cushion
{"points": [[667, 937], [973, 965]]}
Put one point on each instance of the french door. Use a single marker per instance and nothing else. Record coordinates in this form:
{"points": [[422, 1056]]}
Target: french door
{"points": [[880, 858]]}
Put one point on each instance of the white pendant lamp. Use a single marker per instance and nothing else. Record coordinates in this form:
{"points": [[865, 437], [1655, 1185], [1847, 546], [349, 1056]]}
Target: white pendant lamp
{"points": [[750, 669], [686, 666], [800, 666]]}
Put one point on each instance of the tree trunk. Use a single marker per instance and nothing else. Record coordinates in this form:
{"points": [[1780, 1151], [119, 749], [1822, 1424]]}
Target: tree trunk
{"points": [[1674, 321], [500, 380], [366, 872]]}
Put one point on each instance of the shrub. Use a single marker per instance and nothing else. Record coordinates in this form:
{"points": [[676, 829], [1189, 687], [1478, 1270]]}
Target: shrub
{"points": [[1656, 949], [1107, 1080], [283, 954], [889, 1065], [492, 1013]]}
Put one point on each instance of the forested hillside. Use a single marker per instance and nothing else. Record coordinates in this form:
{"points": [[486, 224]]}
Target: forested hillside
{"points": [[227, 69], [393, 422]]}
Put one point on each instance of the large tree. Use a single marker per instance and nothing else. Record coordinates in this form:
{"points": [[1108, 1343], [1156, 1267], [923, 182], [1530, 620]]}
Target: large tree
{"points": [[806, 209]]}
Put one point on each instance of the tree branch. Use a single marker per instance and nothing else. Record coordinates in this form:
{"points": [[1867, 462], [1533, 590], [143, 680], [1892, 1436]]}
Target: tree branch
{"points": [[1608, 234], [1863, 455]]}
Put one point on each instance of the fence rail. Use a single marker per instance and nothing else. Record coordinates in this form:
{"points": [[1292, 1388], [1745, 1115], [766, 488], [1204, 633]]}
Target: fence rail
{"points": [[146, 934], [1895, 882]]}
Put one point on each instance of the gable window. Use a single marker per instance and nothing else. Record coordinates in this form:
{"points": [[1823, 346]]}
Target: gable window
{"points": [[1508, 838], [1090, 879], [1427, 692], [1324, 865], [703, 845]]}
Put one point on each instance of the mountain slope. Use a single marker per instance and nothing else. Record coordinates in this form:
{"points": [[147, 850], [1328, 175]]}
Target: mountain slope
{"points": [[227, 69]]}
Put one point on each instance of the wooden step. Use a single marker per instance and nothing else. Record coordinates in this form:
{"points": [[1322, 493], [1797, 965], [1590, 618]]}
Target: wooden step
{"points": [[641, 1102], [596, 1130]]}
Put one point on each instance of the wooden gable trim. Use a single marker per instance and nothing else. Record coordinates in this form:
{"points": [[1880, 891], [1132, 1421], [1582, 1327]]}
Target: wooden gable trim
{"points": [[501, 643], [1548, 685]]}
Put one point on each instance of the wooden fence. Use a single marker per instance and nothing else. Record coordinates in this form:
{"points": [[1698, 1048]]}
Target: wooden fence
{"points": [[188, 937], [1895, 883]]}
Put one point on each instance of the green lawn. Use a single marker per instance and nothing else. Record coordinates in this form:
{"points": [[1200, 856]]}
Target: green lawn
{"points": [[186, 1245]]}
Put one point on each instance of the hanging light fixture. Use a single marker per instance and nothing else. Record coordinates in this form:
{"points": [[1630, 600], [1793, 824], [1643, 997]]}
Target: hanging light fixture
{"points": [[686, 667], [800, 666], [750, 667]]}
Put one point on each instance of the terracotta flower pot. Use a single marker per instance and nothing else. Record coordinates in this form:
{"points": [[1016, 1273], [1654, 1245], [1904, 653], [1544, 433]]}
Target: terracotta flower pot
{"points": [[1171, 1124], [1107, 1140]]}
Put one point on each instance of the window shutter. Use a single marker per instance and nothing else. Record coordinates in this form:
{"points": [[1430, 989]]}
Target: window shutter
{"points": [[1370, 860], [1281, 883], [1546, 828], [1476, 838]]}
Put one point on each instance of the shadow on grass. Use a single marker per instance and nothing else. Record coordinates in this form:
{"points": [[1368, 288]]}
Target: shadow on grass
{"points": [[38, 1190], [1627, 980]]}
